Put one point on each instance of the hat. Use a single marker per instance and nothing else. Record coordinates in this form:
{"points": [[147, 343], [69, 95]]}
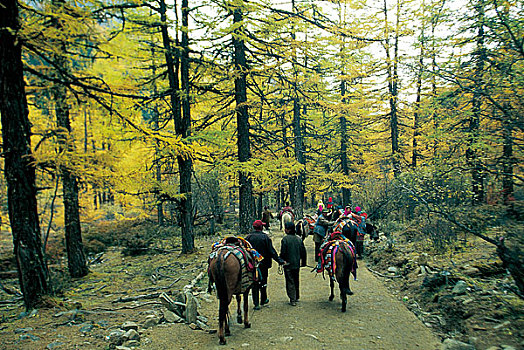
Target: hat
{"points": [[258, 224], [357, 209], [289, 225]]}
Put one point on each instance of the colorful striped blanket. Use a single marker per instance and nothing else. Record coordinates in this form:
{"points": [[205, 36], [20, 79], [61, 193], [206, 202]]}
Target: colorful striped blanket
{"points": [[328, 251], [246, 255]]}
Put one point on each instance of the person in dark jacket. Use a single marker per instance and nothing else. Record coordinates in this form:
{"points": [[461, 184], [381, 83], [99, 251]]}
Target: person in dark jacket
{"points": [[321, 229], [267, 216], [263, 244], [292, 250]]}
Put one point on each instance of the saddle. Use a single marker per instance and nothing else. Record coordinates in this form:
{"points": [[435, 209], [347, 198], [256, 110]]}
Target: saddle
{"points": [[328, 251], [244, 252]]}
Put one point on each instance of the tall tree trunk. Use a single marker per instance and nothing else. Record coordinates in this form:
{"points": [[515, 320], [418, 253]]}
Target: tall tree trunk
{"points": [[246, 208], [19, 171], [346, 193], [186, 164], [300, 152], [76, 258], [507, 161], [416, 114], [477, 181], [392, 70], [182, 118], [155, 121]]}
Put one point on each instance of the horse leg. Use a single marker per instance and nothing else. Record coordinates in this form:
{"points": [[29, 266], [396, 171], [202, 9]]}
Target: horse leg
{"points": [[344, 297], [332, 285], [223, 328], [239, 312], [246, 307]]}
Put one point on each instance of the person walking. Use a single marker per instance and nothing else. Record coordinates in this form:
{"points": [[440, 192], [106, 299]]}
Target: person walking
{"points": [[292, 250], [319, 232], [266, 217], [264, 245]]}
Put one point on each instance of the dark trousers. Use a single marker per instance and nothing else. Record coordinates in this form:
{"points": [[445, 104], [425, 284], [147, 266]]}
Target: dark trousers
{"points": [[317, 251], [260, 287], [292, 283]]}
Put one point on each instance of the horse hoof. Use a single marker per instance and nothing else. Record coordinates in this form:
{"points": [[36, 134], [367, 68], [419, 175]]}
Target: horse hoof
{"points": [[239, 319], [228, 333], [343, 310], [247, 325], [222, 342]]}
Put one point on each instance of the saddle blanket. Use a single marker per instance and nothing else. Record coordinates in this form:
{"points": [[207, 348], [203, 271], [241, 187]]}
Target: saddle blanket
{"points": [[329, 249]]}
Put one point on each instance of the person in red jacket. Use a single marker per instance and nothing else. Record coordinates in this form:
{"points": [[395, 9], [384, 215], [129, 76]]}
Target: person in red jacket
{"points": [[263, 244]]}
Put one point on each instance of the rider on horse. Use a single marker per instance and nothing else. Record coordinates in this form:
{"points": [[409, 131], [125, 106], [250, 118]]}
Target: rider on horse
{"points": [[288, 209]]}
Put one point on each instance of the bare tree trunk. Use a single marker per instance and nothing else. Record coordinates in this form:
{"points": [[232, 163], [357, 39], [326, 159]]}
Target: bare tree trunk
{"points": [[416, 114], [300, 151], [392, 69], [76, 258], [346, 193], [19, 171], [507, 159], [186, 164], [182, 122], [477, 177], [246, 206]]}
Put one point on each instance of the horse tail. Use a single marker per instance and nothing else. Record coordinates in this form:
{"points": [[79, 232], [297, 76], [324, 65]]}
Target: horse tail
{"points": [[346, 270], [220, 283]]}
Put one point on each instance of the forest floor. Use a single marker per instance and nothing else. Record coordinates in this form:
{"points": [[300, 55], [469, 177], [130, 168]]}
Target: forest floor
{"points": [[395, 305]]}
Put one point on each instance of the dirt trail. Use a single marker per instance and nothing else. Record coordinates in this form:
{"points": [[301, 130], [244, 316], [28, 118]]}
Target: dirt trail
{"points": [[374, 320]]}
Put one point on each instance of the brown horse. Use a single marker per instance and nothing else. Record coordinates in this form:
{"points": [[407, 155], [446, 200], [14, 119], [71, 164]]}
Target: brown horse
{"points": [[339, 255], [225, 270]]}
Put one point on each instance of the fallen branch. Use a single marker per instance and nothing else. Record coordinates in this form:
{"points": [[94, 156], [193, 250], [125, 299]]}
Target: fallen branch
{"points": [[128, 307], [11, 301], [151, 289], [382, 275], [135, 298], [9, 290]]}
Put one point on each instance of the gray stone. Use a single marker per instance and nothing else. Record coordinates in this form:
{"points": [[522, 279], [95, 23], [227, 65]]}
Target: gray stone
{"points": [[23, 330], [452, 344], [129, 325], [171, 317], [472, 271], [393, 269], [116, 337], [151, 321], [132, 343], [202, 325], [54, 344], [121, 347], [131, 335], [507, 347], [285, 339], [493, 348], [202, 318], [460, 288], [191, 308], [29, 336], [86, 327]]}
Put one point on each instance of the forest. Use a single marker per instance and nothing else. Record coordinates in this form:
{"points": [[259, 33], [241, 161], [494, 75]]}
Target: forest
{"points": [[179, 113]]}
